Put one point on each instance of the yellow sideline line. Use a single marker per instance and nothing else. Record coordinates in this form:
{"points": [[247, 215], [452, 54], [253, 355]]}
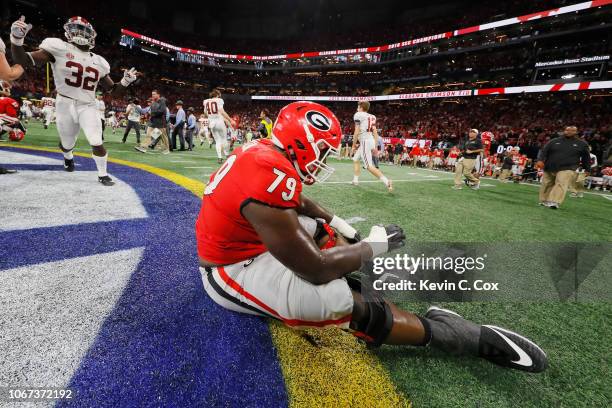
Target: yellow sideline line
{"points": [[339, 372]]}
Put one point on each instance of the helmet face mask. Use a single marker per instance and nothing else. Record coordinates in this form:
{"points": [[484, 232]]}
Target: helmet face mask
{"points": [[309, 133], [80, 32]]}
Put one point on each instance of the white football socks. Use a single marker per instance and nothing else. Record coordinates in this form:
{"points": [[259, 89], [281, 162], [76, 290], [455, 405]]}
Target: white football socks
{"points": [[101, 164], [355, 179], [384, 180], [68, 155]]}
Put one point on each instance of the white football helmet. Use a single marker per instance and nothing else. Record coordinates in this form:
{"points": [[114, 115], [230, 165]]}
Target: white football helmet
{"points": [[80, 32]]}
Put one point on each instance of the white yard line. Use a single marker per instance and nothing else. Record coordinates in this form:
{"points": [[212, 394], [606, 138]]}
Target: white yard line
{"points": [[198, 167], [394, 180]]}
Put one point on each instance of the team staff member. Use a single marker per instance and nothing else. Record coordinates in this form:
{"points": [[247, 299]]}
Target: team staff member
{"points": [[265, 125], [8, 72], [506, 168], [191, 128], [157, 125], [560, 158], [577, 187], [133, 112], [471, 150], [179, 126]]}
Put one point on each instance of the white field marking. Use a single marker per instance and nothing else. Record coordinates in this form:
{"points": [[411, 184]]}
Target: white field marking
{"points": [[40, 301], [356, 219], [181, 161], [394, 180], [413, 174], [10, 157], [487, 185], [605, 195], [69, 198], [432, 176], [198, 167]]}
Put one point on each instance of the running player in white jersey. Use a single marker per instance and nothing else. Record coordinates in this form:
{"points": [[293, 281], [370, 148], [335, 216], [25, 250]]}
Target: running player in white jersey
{"points": [[204, 131], [218, 121], [76, 73], [112, 121], [26, 110], [48, 110], [367, 136]]}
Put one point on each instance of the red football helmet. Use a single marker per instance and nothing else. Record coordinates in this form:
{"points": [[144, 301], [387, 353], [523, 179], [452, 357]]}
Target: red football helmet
{"points": [[5, 88], [80, 31], [16, 135], [309, 133]]}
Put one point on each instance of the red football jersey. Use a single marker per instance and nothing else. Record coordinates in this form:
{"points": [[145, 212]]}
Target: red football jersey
{"points": [[8, 109], [254, 172]]}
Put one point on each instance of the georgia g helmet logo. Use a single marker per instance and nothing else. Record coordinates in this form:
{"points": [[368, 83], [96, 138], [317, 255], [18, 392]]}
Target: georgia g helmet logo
{"points": [[318, 120]]}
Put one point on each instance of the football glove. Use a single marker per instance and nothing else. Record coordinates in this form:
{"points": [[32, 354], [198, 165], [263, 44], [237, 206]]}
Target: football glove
{"points": [[19, 30], [129, 76], [345, 229], [385, 239]]}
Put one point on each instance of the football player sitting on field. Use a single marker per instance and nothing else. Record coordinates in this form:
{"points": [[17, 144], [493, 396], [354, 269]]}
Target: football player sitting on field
{"points": [[266, 249]]}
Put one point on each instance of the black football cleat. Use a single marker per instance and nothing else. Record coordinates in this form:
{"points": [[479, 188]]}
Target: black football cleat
{"points": [[69, 165], [106, 181], [454, 334]]}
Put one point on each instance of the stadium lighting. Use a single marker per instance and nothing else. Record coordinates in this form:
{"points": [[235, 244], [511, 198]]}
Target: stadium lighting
{"points": [[568, 76]]}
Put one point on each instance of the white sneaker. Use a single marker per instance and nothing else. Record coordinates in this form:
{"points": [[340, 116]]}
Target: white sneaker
{"points": [[355, 183], [390, 186], [476, 186], [552, 205], [580, 195]]}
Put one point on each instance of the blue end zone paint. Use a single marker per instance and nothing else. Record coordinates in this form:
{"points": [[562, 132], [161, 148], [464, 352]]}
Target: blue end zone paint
{"points": [[166, 343]]}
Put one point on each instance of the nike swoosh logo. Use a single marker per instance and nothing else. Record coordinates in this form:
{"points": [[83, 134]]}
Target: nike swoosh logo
{"points": [[524, 359]]}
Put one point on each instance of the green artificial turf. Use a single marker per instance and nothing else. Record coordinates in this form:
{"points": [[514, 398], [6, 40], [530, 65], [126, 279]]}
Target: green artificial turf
{"points": [[577, 336]]}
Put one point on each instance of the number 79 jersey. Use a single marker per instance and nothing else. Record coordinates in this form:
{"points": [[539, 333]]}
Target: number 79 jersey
{"points": [[76, 73], [255, 172]]}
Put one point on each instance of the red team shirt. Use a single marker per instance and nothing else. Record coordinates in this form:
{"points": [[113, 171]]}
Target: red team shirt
{"points": [[8, 109], [254, 172]]}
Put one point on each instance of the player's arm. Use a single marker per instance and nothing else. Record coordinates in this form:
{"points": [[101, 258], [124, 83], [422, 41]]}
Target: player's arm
{"points": [[287, 241], [375, 133], [226, 118], [312, 209], [19, 30], [8, 72], [355, 135]]}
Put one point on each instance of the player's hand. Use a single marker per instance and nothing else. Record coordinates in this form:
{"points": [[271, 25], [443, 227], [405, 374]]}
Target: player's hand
{"points": [[385, 239], [129, 76], [2, 46], [345, 229], [19, 30], [539, 165]]}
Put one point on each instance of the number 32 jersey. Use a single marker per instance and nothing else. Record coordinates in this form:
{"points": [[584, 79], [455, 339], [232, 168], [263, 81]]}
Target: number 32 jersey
{"points": [[76, 72], [255, 172]]}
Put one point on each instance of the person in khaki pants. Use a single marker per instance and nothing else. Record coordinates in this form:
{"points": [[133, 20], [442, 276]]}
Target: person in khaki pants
{"points": [[472, 148], [560, 158], [577, 187], [157, 125]]}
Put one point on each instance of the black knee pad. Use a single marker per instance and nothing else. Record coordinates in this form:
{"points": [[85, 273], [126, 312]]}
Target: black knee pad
{"points": [[376, 325]]}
